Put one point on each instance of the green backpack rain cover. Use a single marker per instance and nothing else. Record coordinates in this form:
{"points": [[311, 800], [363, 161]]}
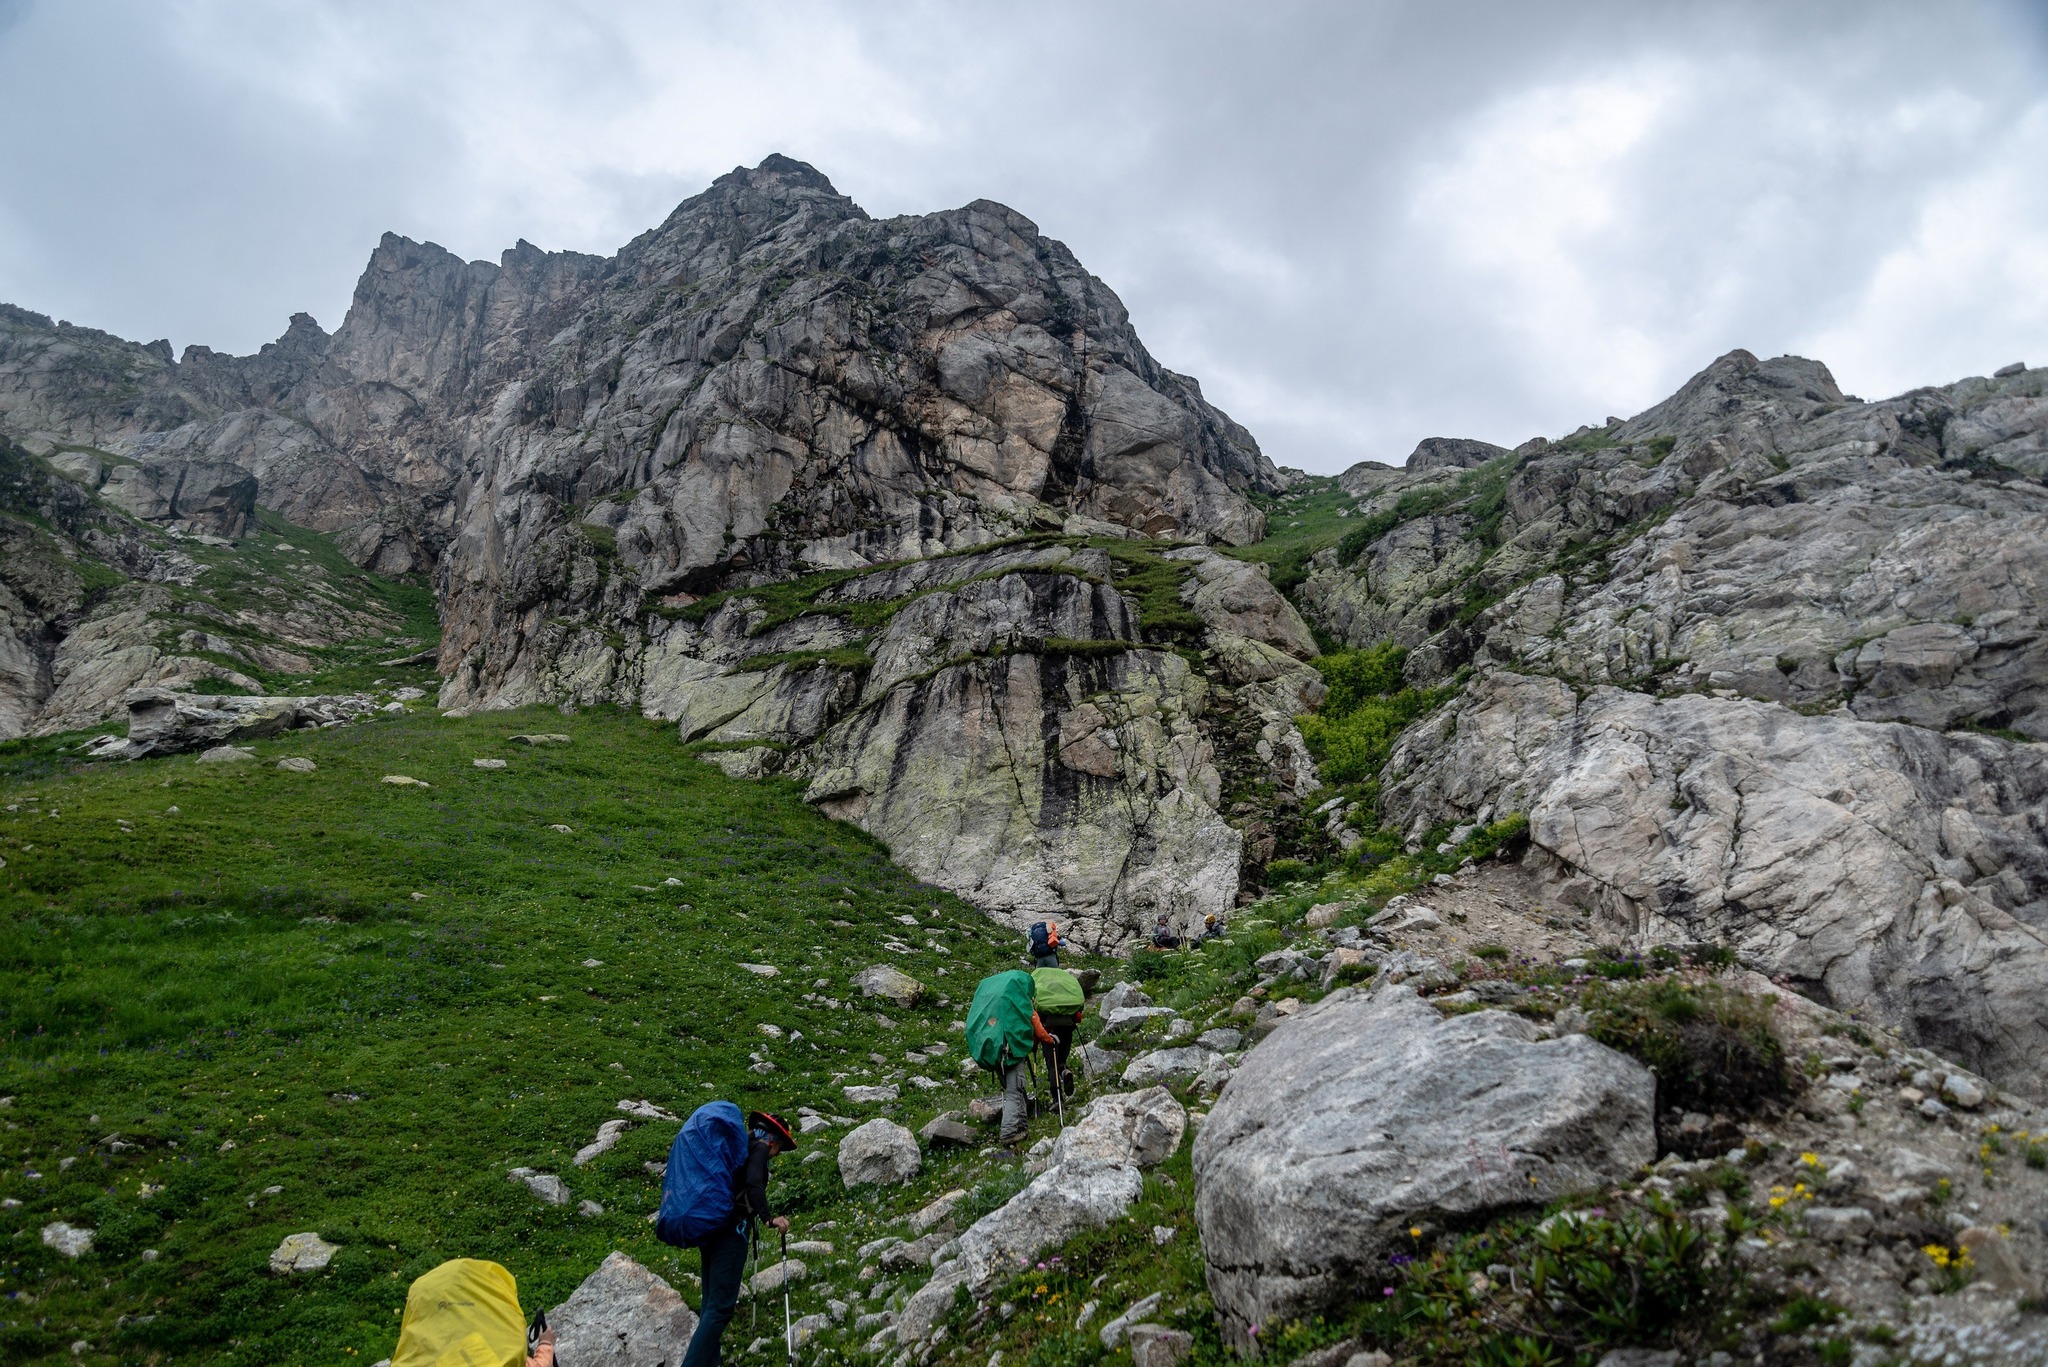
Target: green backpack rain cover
{"points": [[999, 1020], [1057, 990]]}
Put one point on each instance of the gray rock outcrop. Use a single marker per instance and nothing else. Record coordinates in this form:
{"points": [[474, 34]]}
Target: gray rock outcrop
{"points": [[1789, 641], [1882, 868], [1366, 1114], [623, 1315], [1092, 1176], [162, 722]]}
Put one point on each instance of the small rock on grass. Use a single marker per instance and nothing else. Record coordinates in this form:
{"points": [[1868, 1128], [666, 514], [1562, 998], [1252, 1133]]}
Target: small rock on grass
{"points": [[881, 1151], [539, 738], [772, 1277], [763, 970], [487, 763], [916, 1253], [938, 1212], [1154, 1345], [872, 1096], [545, 1185], [73, 1241], [589, 1210], [947, 1129], [890, 984], [297, 764], [302, 1253], [1113, 1333], [406, 781], [225, 754]]}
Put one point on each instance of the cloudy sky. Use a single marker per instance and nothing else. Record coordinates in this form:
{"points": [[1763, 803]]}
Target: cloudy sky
{"points": [[1357, 224]]}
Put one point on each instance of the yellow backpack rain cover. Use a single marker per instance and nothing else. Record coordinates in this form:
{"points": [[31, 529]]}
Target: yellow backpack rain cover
{"points": [[465, 1313]]}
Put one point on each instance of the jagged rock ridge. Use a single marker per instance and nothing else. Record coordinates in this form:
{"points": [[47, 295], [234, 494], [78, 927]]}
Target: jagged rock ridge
{"points": [[1762, 665]]}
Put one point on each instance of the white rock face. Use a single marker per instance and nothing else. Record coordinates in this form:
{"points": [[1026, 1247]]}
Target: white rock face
{"points": [[776, 1275], [1886, 868], [623, 1315], [1362, 1115], [879, 1151]]}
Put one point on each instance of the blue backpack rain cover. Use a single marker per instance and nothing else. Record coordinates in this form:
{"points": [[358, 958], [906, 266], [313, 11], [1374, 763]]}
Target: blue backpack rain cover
{"points": [[696, 1191]]}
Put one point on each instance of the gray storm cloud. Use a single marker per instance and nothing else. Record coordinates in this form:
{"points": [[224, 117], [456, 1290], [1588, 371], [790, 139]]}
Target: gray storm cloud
{"points": [[1357, 224]]}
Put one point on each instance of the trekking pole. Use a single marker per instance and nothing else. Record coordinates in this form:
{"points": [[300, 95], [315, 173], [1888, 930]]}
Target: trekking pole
{"points": [[788, 1333], [1059, 1098], [753, 1296]]}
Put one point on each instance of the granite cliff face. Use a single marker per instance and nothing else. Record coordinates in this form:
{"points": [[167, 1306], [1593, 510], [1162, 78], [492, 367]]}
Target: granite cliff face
{"points": [[769, 389], [1763, 664], [904, 509]]}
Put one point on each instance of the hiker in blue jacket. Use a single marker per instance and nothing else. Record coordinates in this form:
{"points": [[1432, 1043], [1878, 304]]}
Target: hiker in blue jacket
{"points": [[724, 1246]]}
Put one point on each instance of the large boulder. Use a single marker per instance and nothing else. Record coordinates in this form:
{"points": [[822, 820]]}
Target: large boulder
{"points": [[1366, 1115], [163, 722], [622, 1315], [878, 1151]]}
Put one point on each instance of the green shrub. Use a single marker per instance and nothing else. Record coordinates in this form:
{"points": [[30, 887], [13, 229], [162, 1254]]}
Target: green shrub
{"points": [[1367, 708], [1592, 1282], [1711, 1049], [1802, 1313]]}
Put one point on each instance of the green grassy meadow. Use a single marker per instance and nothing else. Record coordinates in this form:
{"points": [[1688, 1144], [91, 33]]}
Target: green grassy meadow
{"points": [[318, 1002]]}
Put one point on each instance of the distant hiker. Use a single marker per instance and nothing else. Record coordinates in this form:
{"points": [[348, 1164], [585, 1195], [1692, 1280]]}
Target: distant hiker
{"points": [[1163, 936], [713, 1195], [1212, 927], [1003, 1031], [1045, 944], [1059, 1000], [464, 1312]]}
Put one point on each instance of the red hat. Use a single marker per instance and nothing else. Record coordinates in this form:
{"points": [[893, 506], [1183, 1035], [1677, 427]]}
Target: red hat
{"points": [[776, 1127]]}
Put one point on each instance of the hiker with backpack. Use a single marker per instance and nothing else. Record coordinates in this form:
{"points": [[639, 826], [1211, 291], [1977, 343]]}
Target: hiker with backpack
{"points": [[1045, 944], [713, 1195], [467, 1311], [1004, 1030], [1059, 999]]}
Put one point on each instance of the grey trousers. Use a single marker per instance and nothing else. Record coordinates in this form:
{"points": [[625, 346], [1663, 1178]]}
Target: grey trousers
{"points": [[1015, 1111]]}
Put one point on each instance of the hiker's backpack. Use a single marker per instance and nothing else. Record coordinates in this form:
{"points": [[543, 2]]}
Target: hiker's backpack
{"points": [[999, 1020], [1055, 989], [1045, 939], [696, 1191], [465, 1311]]}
